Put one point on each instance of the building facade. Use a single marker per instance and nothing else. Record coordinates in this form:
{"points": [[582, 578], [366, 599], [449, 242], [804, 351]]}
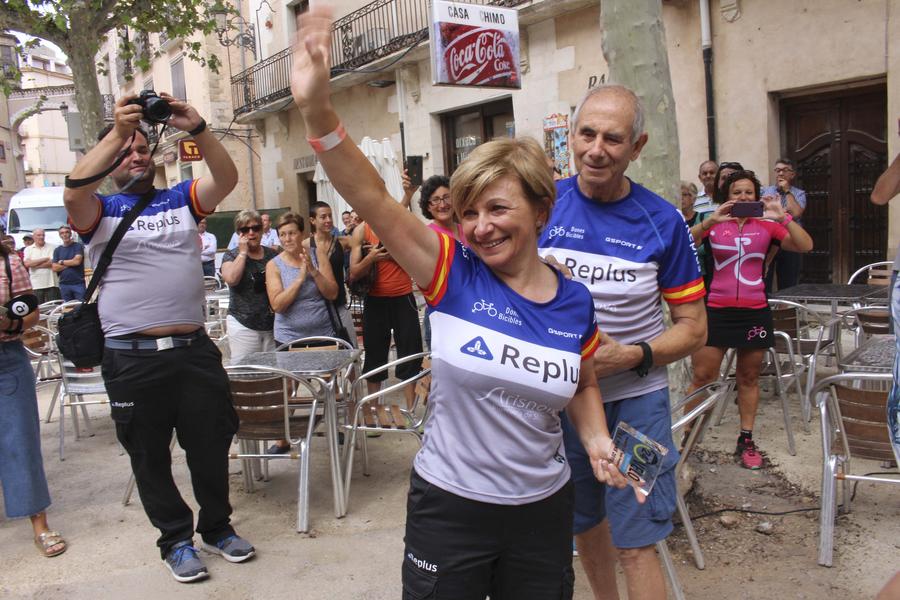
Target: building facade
{"points": [[207, 91], [808, 79], [12, 178]]}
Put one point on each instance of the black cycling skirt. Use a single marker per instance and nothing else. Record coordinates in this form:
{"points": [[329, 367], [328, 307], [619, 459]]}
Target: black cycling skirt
{"points": [[739, 327]]}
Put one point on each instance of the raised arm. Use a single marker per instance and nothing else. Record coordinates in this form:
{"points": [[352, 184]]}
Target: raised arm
{"points": [[888, 184], [409, 241]]}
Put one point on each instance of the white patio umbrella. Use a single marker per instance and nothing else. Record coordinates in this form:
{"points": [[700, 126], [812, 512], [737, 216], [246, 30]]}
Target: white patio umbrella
{"points": [[381, 155]]}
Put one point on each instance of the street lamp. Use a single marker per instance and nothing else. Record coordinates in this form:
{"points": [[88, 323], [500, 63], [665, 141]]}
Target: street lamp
{"points": [[64, 109], [245, 37]]}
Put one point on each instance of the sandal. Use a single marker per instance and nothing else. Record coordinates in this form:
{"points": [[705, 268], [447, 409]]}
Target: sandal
{"points": [[47, 540]]}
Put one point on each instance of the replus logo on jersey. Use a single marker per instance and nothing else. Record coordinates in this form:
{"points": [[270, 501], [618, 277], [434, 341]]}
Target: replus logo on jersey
{"points": [[477, 348], [547, 369], [598, 273]]}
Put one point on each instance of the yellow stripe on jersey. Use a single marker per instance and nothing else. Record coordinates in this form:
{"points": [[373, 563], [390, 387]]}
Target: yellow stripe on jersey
{"points": [[438, 287], [591, 345]]}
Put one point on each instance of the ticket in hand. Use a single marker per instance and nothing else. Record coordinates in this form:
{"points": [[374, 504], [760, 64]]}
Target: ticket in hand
{"points": [[638, 457]]}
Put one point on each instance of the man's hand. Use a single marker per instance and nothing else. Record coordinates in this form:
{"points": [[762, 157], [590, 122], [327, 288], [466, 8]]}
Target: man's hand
{"points": [[184, 116], [379, 253], [551, 260], [127, 117], [612, 357]]}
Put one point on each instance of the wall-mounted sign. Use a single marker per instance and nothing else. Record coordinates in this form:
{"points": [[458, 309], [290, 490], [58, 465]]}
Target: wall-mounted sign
{"points": [[556, 142], [305, 163], [188, 151], [473, 45], [594, 81]]}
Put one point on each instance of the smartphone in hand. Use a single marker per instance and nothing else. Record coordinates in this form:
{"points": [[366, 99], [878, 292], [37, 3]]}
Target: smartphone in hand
{"points": [[414, 170], [747, 209]]}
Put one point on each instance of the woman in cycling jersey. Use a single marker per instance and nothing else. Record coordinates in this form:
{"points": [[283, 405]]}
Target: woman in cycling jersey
{"points": [[737, 309], [490, 503]]}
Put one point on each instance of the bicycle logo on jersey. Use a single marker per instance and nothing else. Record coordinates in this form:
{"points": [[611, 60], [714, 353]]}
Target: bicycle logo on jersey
{"points": [[484, 306], [557, 231], [757, 331]]}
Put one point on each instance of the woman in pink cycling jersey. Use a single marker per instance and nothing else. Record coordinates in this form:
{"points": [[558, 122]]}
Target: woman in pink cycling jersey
{"points": [[737, 309]]}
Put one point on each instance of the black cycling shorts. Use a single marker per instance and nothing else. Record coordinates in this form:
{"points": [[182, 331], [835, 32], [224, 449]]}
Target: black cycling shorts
{"points": [[461, 549]]}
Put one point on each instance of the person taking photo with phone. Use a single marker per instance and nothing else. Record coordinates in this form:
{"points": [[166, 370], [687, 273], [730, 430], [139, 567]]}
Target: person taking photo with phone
{"points": [[737, 309]]}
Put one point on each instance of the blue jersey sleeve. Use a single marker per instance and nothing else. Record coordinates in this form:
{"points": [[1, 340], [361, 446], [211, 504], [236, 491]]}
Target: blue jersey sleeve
{"points": [[679, 270]]}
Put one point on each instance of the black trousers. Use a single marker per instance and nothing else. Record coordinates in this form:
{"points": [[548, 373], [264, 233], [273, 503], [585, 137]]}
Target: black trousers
{"points": [[185, 389], [461, 549], [786, 266], [381, 316]]}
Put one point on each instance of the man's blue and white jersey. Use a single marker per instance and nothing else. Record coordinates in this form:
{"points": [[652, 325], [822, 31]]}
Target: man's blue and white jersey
{"points": [[155, 277], [502, 369], [627, 253]]}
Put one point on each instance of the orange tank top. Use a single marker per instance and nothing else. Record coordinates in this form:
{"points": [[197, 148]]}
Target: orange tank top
{"points": [[392, 280]]}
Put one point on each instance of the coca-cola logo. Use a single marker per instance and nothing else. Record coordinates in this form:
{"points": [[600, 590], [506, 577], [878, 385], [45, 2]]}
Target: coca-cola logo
{"points": [[479, 55]]}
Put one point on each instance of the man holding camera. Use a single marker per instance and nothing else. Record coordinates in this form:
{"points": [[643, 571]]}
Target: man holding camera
{"points": [[162, 372]]}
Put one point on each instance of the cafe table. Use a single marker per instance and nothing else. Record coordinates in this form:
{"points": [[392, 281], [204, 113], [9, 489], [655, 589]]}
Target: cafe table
{"points": [[874, 355], [832, 293], [320, 366]]}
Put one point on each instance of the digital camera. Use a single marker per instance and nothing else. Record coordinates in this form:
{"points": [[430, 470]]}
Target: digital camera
{"points": [[156, 109]]}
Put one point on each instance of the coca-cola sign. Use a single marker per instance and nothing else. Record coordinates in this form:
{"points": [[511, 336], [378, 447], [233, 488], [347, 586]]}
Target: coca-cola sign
{"points": [[475, 45]]}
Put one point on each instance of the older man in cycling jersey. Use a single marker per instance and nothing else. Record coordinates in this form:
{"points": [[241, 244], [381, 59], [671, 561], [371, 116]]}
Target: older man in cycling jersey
{"points": [[629, 246]]}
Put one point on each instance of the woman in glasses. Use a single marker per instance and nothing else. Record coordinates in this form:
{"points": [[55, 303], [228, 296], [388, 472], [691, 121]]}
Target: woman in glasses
{"points": [[249, 318], [737, 308], [490, 505], [435, 204]]}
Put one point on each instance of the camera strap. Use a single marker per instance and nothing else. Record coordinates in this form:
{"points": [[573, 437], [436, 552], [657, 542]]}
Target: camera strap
{"points": [[118, 234], [77, 183]]}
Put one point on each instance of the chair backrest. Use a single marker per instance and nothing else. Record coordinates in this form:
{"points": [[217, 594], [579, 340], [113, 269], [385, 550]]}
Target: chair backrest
{"points": [[423, 385], [874, 320], [38, 340], [258, 398], [265, 401], [314, 343], [786, 319], [211, 284], [864, 421], [877, 273]]}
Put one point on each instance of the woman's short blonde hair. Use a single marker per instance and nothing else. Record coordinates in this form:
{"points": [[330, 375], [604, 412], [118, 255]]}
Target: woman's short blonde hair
{"points": [[522, 158], [245, 217], [690, 186]]}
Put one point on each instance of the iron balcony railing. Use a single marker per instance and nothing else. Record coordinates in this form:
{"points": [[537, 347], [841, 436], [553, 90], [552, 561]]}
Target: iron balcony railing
{"points": [[375, 31]]}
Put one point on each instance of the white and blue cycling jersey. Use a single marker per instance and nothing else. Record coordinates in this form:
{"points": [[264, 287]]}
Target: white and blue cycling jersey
{"points": [[629, 253], [502, 367]]}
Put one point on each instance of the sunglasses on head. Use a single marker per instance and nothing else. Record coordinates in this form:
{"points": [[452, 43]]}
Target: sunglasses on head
{"points": [[249, 228]]}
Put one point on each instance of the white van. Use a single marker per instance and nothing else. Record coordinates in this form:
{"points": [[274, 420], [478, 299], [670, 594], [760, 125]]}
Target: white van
{"points": [[37, 208]]}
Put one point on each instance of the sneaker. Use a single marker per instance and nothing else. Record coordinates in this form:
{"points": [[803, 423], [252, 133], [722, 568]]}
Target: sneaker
{"points": [[276, 449], [184, 563], [750, 456], [233, 548]]}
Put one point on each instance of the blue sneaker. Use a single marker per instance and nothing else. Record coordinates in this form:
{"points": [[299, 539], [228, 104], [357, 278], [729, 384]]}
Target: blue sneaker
{"points": [[233, 548], [184, 563]]}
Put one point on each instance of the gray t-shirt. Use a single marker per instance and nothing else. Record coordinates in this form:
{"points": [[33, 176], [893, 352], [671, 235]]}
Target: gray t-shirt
{"points": [[307, 315], [248, 302], [155, 278]]}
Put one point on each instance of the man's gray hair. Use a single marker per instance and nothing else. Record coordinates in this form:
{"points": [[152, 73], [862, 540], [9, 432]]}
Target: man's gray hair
{"points": [[637, 126]]}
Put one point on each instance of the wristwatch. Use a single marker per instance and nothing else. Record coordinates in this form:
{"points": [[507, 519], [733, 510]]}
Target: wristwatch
{"points": [[647, 362]]}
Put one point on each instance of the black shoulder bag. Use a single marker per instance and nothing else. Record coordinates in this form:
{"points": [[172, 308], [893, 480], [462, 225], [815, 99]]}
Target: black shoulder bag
{"points": [[80, 336], [337, 326]]}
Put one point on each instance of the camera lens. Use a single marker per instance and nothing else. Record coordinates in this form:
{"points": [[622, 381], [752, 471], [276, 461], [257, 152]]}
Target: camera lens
{"points": [[156, 110]]}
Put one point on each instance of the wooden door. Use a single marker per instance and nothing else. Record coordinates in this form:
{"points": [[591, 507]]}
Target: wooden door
{"points": [[838, 144]]}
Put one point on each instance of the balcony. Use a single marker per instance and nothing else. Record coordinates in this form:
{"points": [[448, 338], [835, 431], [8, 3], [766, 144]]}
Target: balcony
{"points": [[375, 31]]}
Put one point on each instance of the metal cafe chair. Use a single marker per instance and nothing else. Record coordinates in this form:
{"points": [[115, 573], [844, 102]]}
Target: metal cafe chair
{"points": [[867, 321], [853, 416], [268, 409], [876, 273], [76, 384], [375, 413], [694, 411]]}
